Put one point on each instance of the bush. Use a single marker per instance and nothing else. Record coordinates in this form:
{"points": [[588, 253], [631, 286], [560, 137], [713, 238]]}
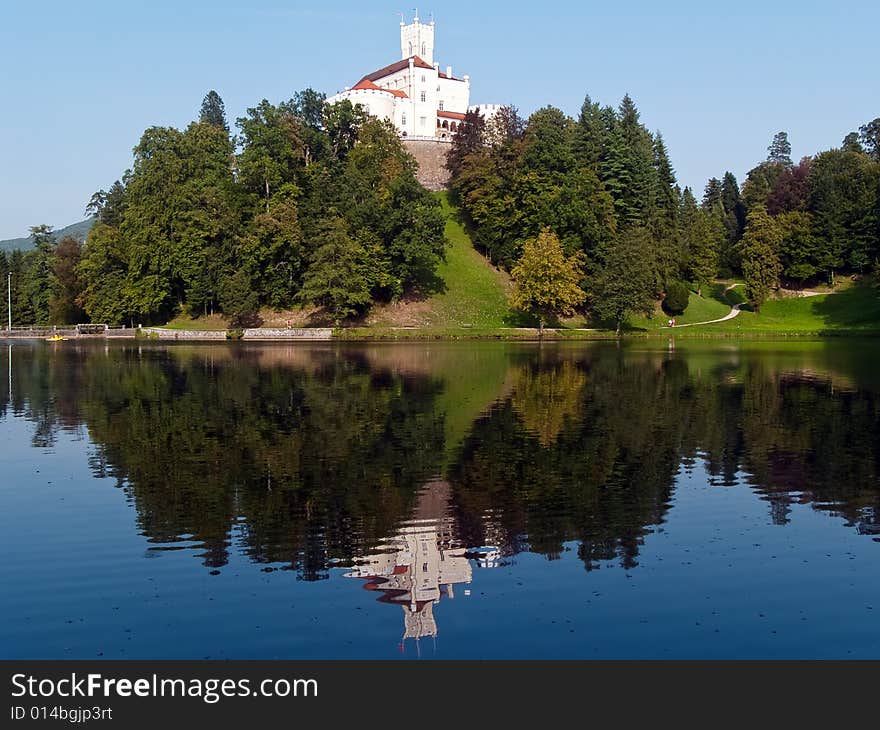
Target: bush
{"points": [[240, 302], [677, 296]]}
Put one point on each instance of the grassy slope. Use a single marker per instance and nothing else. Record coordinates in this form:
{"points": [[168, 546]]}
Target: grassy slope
{"points": [[476, 293], [714, 304], [472, 296], [856, 310]]}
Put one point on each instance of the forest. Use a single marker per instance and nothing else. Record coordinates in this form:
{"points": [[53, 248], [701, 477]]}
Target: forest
{"points": [[319, 206], [306, 204], [600, 194]]}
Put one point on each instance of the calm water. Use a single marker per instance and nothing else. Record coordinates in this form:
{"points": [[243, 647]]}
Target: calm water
{"points": [[473, 500]]}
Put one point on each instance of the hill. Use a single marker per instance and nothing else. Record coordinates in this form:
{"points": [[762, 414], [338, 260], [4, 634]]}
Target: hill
{"points": [[78, 230]]}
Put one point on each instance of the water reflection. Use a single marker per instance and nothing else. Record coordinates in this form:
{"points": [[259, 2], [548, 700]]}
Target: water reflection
{"points": [[303, 458], [419, 563]]}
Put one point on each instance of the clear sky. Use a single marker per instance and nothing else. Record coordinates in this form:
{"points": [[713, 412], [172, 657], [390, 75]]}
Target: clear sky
{"points": [[80, 81]]}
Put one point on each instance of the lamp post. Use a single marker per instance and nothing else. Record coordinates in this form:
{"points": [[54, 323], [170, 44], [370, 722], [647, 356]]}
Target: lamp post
{"points": [[9, 300]]}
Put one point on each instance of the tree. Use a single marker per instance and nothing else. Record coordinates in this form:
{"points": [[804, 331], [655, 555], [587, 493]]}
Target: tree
{"points": [[851, 143], [800, 250], [547, 281], [760, 258], [505, 126], [589, 136], [64, 306], [734, 210], [273, 149], [790, 190], [102, 273], [702, 241], [341, 274], [713, 196], [213, 111], [239, 301], [843, 197], [38, 287], [870, 137], [468, 138], [272, 250], [779, 151], [622, 283], [677, 298]]}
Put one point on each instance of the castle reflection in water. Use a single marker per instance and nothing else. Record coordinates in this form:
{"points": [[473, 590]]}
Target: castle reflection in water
{"points": [[422, 562]]}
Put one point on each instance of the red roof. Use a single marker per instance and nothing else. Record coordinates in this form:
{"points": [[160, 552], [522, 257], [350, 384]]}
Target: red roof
{"points": [[367, 84], [395, 67], [444, 76], [451, 115]]}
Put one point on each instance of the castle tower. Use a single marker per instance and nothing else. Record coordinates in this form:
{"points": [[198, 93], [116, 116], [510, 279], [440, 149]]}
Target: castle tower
{"points": [[417, 39]]}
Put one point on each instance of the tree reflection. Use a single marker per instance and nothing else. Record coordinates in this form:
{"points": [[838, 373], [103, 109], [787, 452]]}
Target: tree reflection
{"points": [[311, 456]]}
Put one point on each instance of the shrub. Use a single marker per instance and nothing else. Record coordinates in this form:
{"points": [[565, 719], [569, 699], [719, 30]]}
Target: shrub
{"points": [[677, 296]]}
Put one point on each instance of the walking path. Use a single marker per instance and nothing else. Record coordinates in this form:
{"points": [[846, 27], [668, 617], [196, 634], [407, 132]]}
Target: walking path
{"points": [[734, 312]]}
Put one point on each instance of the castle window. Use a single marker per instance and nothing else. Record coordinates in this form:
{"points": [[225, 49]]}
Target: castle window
{"points": [[424, 53], [423, 96], [441, 105], [423, 121], [410, 49], [403, 118]]}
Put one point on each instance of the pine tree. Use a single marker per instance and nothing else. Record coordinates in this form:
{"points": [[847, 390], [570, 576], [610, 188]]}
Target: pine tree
{"points": [[468, 138], [759, 251], [622, 283], [213, 111], [339, 276], [703, 239], [779, 151], [712, 196], [589, 138], [38, 289]]}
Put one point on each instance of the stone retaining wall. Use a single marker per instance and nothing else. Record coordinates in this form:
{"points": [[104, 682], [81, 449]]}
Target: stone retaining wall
{"points": [[312, 333], [431, 156], [163, 334]]}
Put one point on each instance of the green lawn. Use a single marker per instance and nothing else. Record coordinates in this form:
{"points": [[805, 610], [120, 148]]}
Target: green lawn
{"points": [[475, 292], [213, 322], [714, 304], [852, 310], [470, 294]]}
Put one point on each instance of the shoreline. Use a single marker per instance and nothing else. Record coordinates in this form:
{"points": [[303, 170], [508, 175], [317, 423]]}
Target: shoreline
{"points": [[354, 334]]}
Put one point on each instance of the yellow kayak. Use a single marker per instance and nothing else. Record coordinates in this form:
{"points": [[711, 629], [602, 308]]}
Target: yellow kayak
{"points": [[55, 338]]}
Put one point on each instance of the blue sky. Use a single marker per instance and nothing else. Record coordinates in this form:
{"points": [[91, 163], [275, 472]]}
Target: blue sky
{"points": [[79, 81]]}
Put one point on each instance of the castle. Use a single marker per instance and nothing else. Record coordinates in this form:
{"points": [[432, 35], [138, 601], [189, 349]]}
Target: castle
{"points": [[420, 100]]}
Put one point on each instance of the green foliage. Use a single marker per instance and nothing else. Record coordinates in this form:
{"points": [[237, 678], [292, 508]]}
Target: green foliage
{"points": [[469, 138], [800, 251], [65, 285], [213, 111], [622, 283], [779, 151], [702, 236], [192, 219], [760, 259], [677, 296], [239, 300], [342, 272], [38, 282], [547, 282]]}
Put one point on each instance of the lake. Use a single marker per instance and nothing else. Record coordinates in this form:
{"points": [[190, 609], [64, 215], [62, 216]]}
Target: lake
{"points": [[643, 499]]}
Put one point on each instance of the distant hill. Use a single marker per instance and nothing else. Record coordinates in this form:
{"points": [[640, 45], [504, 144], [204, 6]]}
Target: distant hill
{"points": [[77, 230]]}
